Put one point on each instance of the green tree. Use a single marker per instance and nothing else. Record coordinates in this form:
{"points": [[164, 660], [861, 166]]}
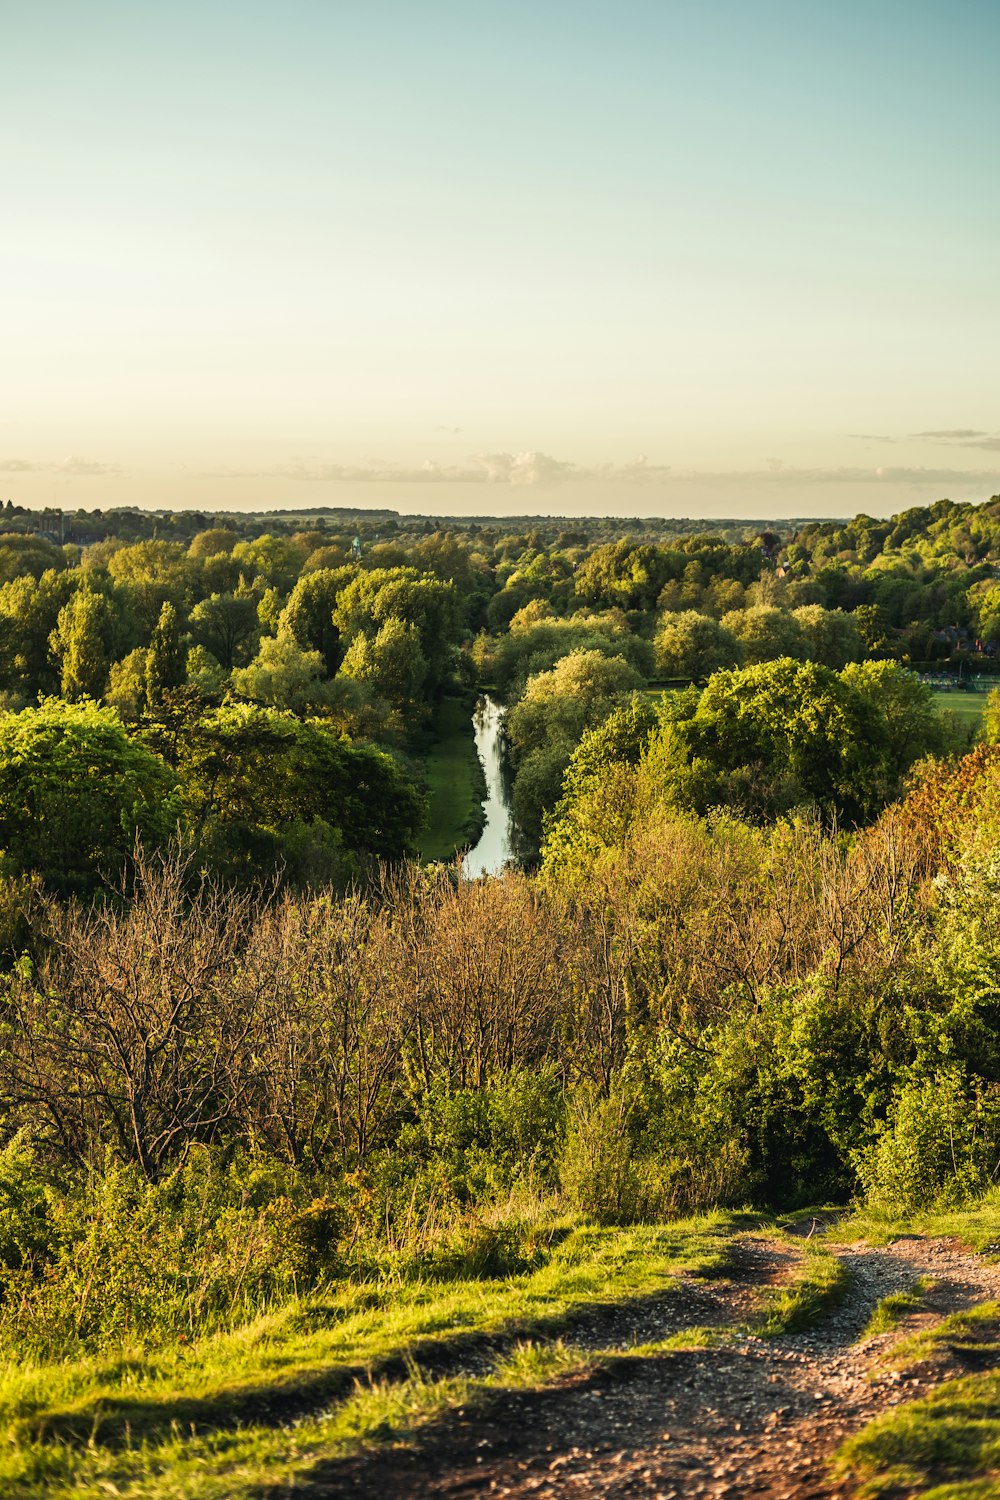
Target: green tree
{"points": [[560, 704], [598, 788], [910, 724], [539, 644], [204, 673], [76, 793], [127, 684], [832, 637], [283, 675], [79, 645], [988, 606], [693, 645], [29, 614], [256, 780], [149, 574], [991, 718], [309, 615], [277, 560], [227, 625], [545, 726], [766, 633], [785, 732], [166, 657], [392, 664], [623, 574], [217, 541], [421, 600], [876, 629], [31, 556]]}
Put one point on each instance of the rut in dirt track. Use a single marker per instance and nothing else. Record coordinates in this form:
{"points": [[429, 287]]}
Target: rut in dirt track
{"points": [[760, 1417]]}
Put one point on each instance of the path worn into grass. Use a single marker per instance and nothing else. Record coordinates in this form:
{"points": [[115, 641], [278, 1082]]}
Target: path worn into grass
{"points": [[757, 1417]]}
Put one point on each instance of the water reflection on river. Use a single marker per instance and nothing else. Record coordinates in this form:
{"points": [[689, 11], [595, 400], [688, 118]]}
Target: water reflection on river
{"points": [[494, 849]]}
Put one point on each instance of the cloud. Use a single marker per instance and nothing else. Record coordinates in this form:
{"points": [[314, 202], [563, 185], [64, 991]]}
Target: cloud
{"points": [[373, 473], [871, 437], [523, 468], [541, 471], [965, 437], [881, 474], [517, 470], [86, 468], [75, 466], [635, 471]]}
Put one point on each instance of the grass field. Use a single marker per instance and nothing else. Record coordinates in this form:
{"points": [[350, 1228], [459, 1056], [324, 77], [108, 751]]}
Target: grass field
{"points": [[455, 782], [967, 707]]}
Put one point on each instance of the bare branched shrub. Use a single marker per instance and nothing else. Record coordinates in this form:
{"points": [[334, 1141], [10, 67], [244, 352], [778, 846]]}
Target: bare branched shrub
{"points": [[476, 970], [324, 1063], [127, 1036]]}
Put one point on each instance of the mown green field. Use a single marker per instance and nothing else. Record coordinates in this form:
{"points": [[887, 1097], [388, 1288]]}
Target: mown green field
{"points": [[455, 784], [968, 707]]}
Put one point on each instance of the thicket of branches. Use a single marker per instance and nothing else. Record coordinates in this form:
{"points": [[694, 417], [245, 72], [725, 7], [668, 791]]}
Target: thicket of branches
{"points": [[315, 1028]]}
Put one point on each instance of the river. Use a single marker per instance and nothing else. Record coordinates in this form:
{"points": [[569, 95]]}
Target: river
{"points": [[494, 848]]}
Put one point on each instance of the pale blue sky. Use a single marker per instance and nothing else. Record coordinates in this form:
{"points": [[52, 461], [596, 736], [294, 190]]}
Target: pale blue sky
{"points": [[653, 257]]}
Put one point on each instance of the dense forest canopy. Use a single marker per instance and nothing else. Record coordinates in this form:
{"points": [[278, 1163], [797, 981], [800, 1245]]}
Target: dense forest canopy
{"points": [[312, 648]]}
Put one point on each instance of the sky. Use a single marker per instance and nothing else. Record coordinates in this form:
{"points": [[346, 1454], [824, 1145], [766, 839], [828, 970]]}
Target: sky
{"points": [[651, 257]]}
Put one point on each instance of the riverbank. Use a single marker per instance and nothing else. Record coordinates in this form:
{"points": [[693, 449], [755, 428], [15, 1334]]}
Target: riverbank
{"points": [[456, 782]]}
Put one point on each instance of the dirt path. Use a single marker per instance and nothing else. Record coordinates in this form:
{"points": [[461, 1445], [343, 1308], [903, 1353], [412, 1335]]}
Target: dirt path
{"points": [[756, 1418]]}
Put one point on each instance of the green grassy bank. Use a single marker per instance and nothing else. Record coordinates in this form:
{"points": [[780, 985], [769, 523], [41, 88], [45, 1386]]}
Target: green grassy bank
{"points": [[455, 781]]}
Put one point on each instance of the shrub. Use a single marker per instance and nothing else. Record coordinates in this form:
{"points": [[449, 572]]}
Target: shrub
{"points": [[939, 1147]]}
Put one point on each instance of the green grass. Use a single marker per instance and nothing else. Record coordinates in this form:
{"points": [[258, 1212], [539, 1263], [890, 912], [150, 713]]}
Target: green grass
{"points": [[264, 1404], [455, 782], [820, 1283], [898, 1305], [978, 1226], [945, 1446], [975, 1332], [967, 707]]}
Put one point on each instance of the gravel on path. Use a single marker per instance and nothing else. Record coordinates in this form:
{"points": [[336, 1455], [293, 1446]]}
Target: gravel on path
{"points": [[758, 1417]]}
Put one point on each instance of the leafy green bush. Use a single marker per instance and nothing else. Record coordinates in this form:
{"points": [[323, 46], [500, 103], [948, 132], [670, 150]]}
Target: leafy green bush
{"points": [[940, 1146], [484, 1142], [27, 1230], [112, 1258]]}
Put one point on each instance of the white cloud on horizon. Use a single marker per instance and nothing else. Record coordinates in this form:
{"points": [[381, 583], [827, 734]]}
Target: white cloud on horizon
{"points": [[74, 466], [530, 468], [541, 470]]}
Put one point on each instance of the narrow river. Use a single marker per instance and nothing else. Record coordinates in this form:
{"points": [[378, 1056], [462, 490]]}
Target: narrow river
{"points": [[493, 850]]}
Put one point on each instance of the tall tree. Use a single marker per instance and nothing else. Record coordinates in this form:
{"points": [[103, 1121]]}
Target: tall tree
{"points": [[79, 645], [166, 658]]}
